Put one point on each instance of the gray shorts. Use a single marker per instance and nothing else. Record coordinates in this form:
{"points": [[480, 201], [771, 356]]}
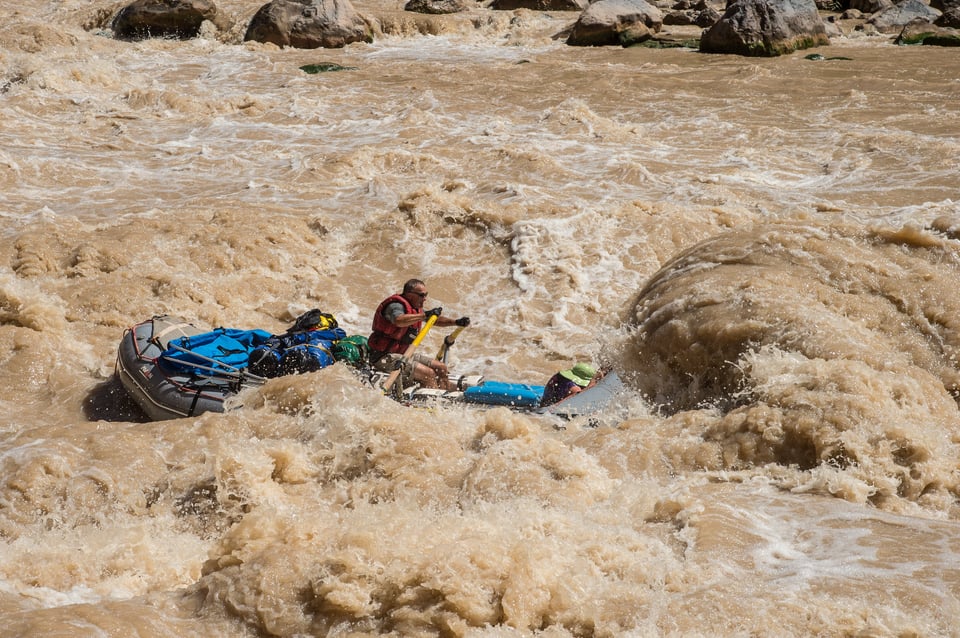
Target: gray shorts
{"points": [[388, 362]]}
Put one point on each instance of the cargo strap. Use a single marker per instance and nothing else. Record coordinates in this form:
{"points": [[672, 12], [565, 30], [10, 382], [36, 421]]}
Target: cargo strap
{"points": [[176, 328]]}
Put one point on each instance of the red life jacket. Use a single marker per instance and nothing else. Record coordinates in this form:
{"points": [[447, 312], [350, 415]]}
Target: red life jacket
{"points": [[387, 337]]}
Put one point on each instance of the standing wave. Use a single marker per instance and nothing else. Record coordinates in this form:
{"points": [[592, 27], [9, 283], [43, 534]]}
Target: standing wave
{"points": [[830, 348]]}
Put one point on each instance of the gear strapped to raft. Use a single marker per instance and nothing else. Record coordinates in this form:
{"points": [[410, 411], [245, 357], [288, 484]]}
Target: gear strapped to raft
{"points": [[313, 342]]}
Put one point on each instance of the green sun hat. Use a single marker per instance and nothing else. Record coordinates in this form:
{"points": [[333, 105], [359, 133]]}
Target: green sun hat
{"points": [[581, 374]]}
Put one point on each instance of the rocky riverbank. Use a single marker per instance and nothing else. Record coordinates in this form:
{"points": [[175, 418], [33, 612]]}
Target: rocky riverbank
{"points": [[747, 27]]}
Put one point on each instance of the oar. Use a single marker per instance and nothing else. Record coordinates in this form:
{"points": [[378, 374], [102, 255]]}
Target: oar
{"points": [[447, 343], [409, 353]]}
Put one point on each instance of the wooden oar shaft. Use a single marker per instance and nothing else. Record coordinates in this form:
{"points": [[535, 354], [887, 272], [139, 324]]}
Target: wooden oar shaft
{"points": [[447, 342]]}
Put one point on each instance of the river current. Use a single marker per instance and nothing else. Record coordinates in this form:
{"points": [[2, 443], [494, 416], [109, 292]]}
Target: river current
{"points": [[766, 250]]}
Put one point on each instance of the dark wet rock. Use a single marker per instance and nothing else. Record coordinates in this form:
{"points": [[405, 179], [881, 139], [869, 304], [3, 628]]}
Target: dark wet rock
{"points": [[165, 19], [325, 67], [820, 56], [894, 19], [945, 5], [923, 32], [436, 7], [633, 34], [704, 19], [707, 17], [309, 24], [616, 22], [540, 5], [686, 13], [766, 28], [950, 18], [679, 17], [870, 6]]}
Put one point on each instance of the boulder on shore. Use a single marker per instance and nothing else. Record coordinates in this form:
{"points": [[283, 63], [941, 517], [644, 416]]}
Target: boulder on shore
{"points": [[165, 19], [766, 28], [606, 22], [308, 24], [894, 18], [949, 19], [870, 6], [540, 5], [701, 16], [436, 7]]}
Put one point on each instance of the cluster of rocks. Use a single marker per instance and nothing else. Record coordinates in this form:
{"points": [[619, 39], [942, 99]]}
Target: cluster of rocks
{"points": [[745, 27], [302, 24]]}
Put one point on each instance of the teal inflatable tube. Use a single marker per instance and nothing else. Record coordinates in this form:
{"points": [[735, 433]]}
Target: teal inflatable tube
{"points": [[517, 395]]}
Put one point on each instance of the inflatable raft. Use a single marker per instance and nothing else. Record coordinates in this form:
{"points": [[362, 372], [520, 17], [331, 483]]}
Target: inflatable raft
{"points": [[173, 369], [168, 380]]}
